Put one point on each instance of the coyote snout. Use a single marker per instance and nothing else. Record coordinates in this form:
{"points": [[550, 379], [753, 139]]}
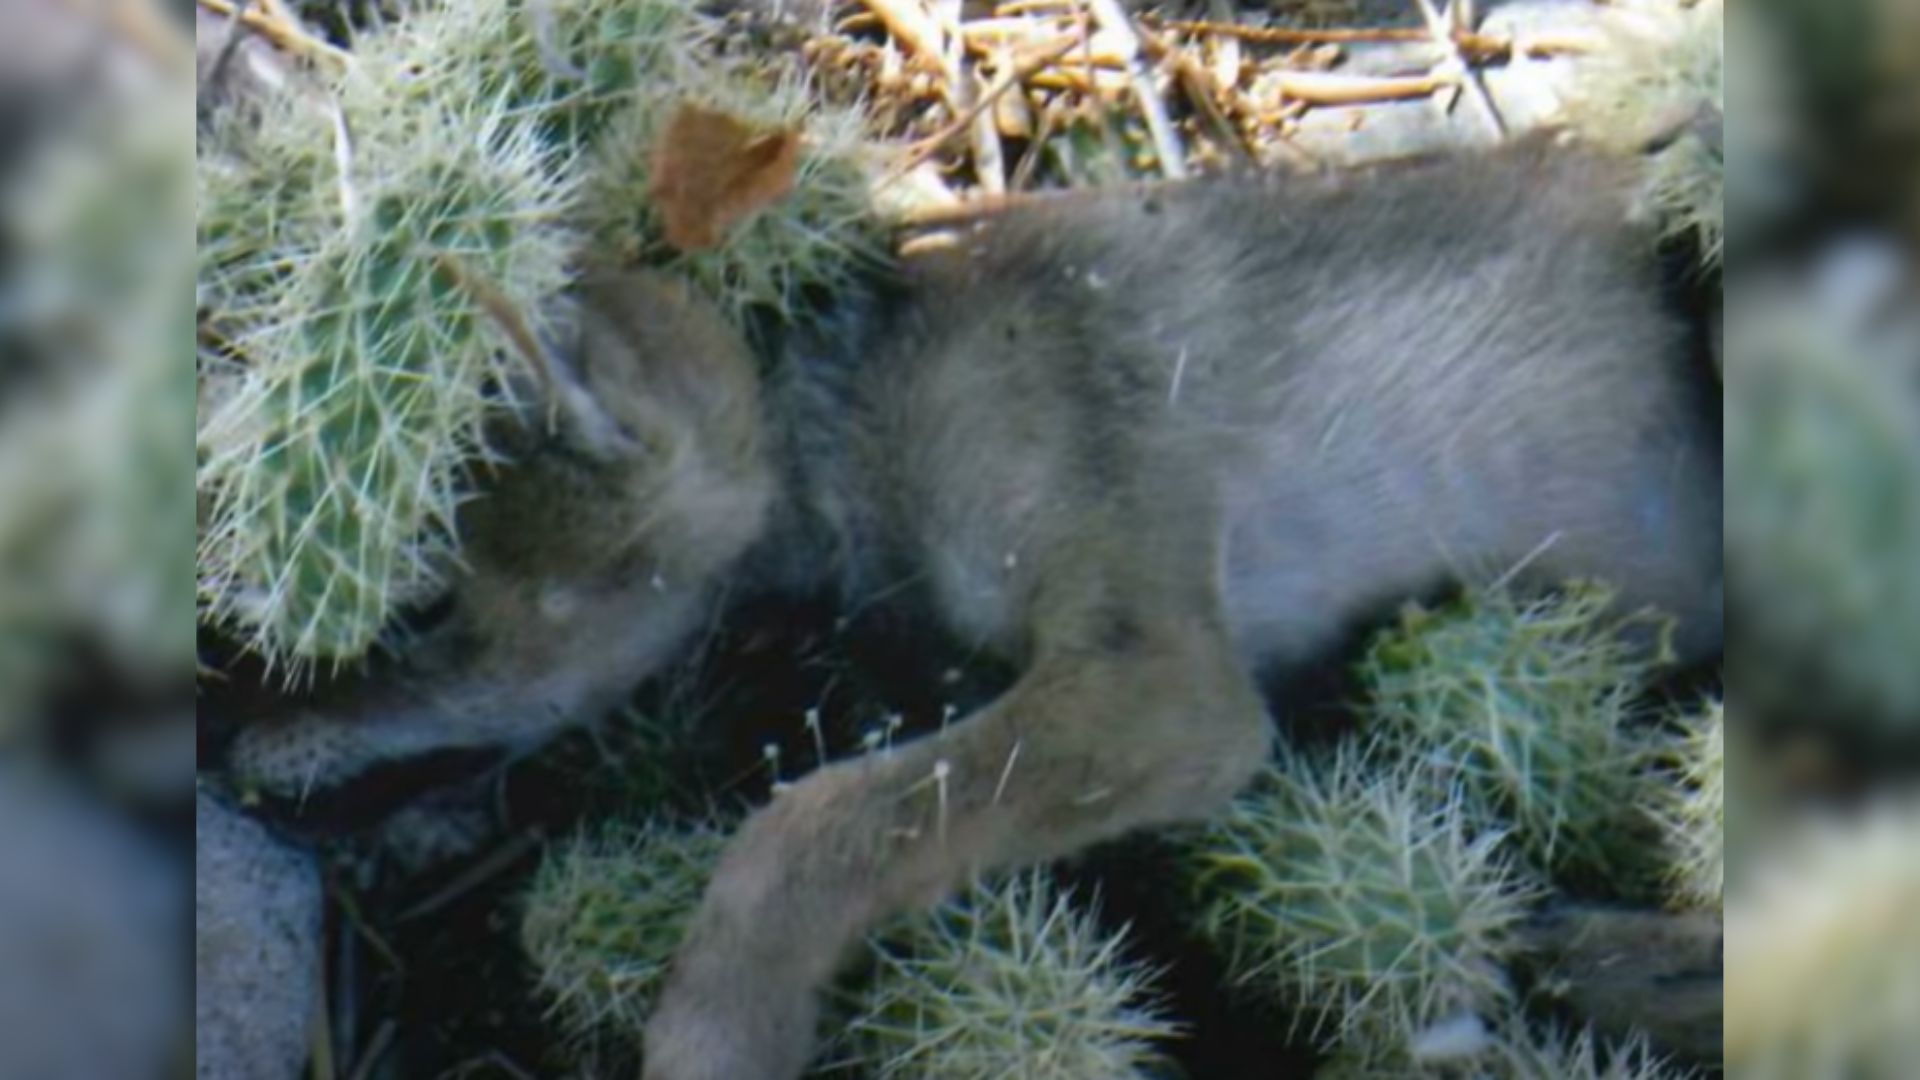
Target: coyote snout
{"points": [[1144, 443]]}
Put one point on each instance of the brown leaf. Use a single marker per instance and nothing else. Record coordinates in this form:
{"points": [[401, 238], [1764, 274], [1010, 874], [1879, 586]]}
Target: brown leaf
{"points": [[711, 171]]}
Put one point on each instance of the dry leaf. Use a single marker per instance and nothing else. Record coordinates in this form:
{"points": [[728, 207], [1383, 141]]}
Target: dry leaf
{"points": [[711, 171]]}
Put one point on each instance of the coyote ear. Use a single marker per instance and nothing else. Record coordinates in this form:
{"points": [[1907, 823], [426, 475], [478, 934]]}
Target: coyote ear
{"points": [[567, 407], [571, 412]]}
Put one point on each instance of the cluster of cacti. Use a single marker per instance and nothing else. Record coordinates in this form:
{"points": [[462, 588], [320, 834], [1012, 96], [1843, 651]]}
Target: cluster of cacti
{"points": [[1663, 68], [1823, 493], [1524, 709], [604, 916], [378, 255], [1011, 978], [1346, 890], [1823, 952], [1693, 811], [1380, 892]]}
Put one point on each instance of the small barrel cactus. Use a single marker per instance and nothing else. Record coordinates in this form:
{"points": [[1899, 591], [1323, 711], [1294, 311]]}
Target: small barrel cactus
{"points": [[1522, 1053], [1339, 888], [1823, 952], [604, 916], [1010, 979], [1663, 64], [815, 235], [1524, 707], [1519, 1050], [1693, 811]]}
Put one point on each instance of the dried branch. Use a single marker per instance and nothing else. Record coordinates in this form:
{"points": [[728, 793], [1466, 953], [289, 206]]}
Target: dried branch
{"points": [[1443, 28], [908, 24], [1007, 80], [284, 35], [1331, 88]]}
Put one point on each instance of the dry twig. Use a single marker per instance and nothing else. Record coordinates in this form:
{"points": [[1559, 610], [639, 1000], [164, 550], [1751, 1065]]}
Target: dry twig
{"points": [[982, 101], [1166, 141], [284, 35]]}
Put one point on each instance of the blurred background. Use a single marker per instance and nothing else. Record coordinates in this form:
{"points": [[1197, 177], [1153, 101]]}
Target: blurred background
{"points": [[1821, 366]]}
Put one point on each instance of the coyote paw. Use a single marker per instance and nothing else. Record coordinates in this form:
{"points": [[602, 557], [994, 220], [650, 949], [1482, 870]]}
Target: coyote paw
{"points": [[739, 1029]]}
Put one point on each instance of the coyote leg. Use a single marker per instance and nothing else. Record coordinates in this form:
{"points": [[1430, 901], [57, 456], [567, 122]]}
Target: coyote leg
{"points": [[1131, 713]]}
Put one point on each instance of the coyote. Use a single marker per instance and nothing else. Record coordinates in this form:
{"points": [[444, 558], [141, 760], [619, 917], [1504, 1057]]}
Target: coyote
{"points": [[1149, 444]]}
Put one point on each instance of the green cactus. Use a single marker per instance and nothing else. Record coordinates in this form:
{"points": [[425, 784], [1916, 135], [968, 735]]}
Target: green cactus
{"points": [[1823, 497], [1823, 951], [568, 66], [815, 236], [1693, 810], [1520, 1050], [1339, 888], [1663, 62], [604, 915], [1523, 1054], [1009, 979], [334, 467], [1525, 707]]}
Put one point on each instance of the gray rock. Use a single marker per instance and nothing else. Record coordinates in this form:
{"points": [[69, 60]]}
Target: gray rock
{"points": [[257, 922], [92, 975]]}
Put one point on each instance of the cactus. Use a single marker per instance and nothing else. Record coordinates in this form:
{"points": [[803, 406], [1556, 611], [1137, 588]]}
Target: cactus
{"points": [[1664, 62], [1823, 494], [568, 66], [604, 916], [1525, 707], [1522, 1051], [334, 467], [1823, 952], [1693, 811], [1525, 1055], [814, 236], [1340, 889], [345, 260], [366, 260], [1010, 979]]}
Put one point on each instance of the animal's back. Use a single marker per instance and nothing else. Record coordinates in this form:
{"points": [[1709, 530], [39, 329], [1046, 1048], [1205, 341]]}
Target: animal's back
{"points": [[1375, 382]]}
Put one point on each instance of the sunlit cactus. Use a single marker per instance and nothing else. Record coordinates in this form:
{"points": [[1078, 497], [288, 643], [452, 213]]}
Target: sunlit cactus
{"points": [[1661, 71], [566, 66], [367, 365], [604, 915], [1823, 952], [1012, 978], [1524, 707], [1340, 890], [816, 235], [1693, 810]]}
